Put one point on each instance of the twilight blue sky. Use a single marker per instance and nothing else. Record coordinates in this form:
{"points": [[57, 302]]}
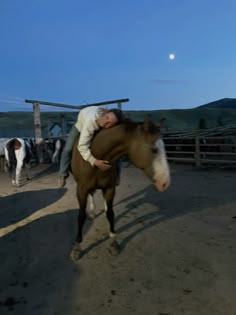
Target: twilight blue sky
{"points": [[74, 51]]}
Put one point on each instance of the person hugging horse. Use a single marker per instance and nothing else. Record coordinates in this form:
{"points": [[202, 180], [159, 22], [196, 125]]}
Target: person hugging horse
{"points": [[89, 121]]}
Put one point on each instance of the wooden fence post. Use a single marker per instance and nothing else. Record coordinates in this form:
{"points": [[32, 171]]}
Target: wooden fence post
{"points": [[119, 105], [37, 131], [197, 151]]}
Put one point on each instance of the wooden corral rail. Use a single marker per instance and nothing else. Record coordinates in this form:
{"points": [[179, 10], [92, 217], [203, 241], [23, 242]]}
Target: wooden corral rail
{"points": [[211, 132], [201, 150], [36, 109]]}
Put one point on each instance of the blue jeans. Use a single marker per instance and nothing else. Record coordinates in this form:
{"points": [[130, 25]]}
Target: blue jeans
{"points": [[67, 152], [118, 167]]}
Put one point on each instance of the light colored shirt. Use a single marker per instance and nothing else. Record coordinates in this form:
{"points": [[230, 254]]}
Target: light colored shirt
{"points": [[87, 125]]}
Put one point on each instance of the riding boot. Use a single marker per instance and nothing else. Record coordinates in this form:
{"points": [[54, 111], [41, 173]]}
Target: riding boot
{"points": [[62, 181], [117, 180]]}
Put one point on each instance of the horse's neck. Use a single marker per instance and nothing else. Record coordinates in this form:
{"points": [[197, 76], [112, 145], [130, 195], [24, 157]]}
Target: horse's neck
{"points": [[110, 144]]}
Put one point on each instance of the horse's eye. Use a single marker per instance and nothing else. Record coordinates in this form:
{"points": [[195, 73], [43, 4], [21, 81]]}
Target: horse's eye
{"points": [[154, 150]]}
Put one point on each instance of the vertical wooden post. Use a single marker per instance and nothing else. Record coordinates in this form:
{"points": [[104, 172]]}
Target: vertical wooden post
{"points": [[197, 151], [37, 131], [37, 123], [119, 105]]}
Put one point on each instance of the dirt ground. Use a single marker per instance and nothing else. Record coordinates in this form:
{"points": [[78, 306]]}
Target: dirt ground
{"points": [[177, 255]]}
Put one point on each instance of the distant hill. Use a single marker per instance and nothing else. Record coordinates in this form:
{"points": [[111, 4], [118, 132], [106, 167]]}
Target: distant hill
{"points": [[222, 103], [185, 119], [20, 123]]}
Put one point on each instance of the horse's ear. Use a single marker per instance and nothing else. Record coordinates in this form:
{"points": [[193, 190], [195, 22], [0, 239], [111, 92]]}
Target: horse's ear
{"points": [[161, 122]]}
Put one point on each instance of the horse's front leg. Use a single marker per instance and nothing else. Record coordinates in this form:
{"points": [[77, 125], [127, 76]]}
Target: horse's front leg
{"points": [[109, 194], [13, 176], [82, 199]]}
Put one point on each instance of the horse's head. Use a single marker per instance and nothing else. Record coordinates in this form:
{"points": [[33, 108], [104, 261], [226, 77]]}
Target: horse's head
{"points": [[147, 152]]}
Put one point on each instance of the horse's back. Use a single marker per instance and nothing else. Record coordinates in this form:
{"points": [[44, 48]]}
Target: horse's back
{"points": [[18, 149]]}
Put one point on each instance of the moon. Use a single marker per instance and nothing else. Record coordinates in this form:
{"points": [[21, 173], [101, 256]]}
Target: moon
{"points": [[171, 56]]}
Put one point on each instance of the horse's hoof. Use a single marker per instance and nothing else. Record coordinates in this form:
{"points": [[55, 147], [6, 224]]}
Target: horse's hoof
{"points": [[75, 253], [15, 184]]}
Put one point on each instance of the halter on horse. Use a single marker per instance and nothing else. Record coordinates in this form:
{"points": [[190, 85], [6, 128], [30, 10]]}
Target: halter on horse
{"points": [[142, 143], [18, 153]]}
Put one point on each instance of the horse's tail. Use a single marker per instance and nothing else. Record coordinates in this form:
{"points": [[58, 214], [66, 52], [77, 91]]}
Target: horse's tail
{"points": [[11, 158]]}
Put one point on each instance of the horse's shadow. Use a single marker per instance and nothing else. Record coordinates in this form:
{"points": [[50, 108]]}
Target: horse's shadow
{"points": [[34, 175], [147, 208], [147, 220], [50, 169]]}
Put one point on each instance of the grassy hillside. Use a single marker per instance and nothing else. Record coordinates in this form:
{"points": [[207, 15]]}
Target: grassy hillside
{"points": [[177, 119], [222, 103], [182, 119], [22, 120]]}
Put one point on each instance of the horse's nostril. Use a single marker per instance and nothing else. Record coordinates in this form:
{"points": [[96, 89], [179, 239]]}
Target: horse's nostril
{"points": [[165, 185]]}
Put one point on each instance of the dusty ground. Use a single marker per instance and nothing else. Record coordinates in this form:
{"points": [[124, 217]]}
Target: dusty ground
{"points": [[178, 248]]}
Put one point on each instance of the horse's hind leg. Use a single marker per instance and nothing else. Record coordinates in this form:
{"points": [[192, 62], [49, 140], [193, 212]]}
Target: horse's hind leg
{"points": [[109, 195], [91, 206], [82, 199], [18, 172], [28, 170]]}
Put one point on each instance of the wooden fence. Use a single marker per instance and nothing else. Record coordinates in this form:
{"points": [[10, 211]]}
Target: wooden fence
{"points": [[196, 150], [201, 150]]}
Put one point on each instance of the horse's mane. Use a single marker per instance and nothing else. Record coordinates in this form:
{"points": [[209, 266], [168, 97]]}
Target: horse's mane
{"points": [[148, 124], [129, 126]]}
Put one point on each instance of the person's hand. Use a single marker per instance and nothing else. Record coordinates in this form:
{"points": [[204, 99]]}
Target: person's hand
{"points": [[102, 165]]}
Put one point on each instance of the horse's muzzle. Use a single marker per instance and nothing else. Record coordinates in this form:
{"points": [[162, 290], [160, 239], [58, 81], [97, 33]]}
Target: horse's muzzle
{"points": [[161, 185]]}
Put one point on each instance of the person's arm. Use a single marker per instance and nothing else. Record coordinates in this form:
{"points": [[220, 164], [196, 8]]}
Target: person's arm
{"points": [[84, 144], [86, 135]]}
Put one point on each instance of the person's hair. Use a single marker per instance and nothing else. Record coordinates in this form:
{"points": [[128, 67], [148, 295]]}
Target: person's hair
{"points": [[118, 113]]}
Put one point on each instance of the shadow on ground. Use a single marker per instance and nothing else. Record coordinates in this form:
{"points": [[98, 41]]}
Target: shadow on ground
{"points": [[20, 205], [35, 175], [191, 194]]}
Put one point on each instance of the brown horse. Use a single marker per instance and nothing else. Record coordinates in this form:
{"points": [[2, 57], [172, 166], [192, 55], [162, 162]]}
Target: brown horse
{"points": [[142, 143]]}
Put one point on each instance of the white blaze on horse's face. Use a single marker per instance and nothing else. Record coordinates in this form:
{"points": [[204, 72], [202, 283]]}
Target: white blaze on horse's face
{"points": [[160, 166]]}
